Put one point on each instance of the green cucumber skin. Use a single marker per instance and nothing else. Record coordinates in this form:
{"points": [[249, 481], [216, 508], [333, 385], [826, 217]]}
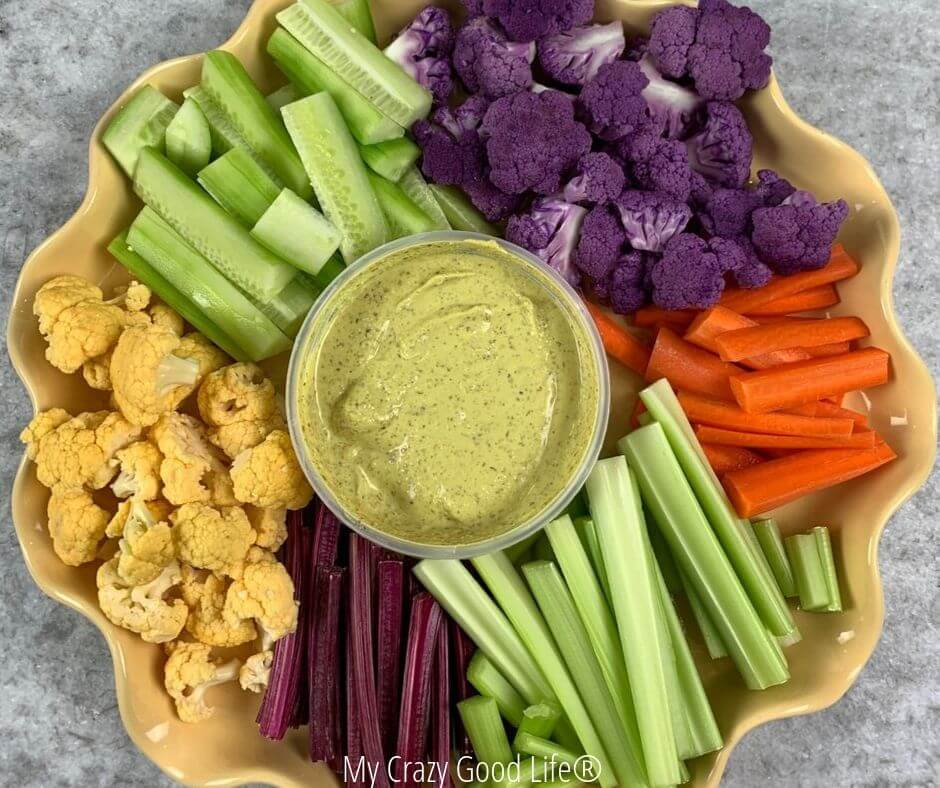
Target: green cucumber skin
{"points": [[403, 216], [358, 14], [206, 226], [331, 269], [390, 159], [340, 179], [322, 30], [297, 232], [225, 79], [413, 184], [188, 141], [311, 75], [460, 212], [239, 184], [288, 309], [148, 275], [219, 300], [140, 123], [287, 94]]}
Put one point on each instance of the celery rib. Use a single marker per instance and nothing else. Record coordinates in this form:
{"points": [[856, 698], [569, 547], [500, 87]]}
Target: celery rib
{"points": [[489, 682], [768, 537], [481, 720]]}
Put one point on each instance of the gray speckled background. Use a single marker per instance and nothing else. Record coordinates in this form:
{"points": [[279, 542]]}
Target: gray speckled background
{"points": [[865, 70]]}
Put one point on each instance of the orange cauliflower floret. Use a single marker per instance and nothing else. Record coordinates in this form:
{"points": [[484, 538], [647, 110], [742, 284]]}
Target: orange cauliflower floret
{"points": [[195, 347], [97, 372], [142, 608], [148, 377], [135, 297], [192, 471], [254, 675], [57, 295], [269, 475], [270, 526], [163, 316], [159, 510], [81, 451], [139, 474], [146, 545], [211, 538], [41, 425], [264, 593], [189, 672], [77, 526], [204, 595]]}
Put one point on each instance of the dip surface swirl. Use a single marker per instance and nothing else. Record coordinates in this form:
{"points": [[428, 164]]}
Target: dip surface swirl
{"points": [[449, 395]]}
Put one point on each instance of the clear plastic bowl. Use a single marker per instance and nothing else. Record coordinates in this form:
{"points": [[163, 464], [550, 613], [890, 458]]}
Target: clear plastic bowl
{"points": [[310, 333]]}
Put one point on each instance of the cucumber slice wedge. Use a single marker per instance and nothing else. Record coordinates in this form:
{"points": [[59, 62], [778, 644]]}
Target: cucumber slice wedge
{"points": [[219, 301], [239, 184], [339, 177], [460, 212], [288, 308], [391, 158], [225, 79], [322, 30], [413, 184], [403, 216], [357, 13], [146, 273], [285, 95], [188, 142], [208, 228], [140, 123], [297, 232], [311, 75]]}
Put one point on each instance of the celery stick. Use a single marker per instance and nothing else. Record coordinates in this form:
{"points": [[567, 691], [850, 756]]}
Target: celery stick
{"points": [[695, 547], [542, 549], [340, 179], [595, 614], [391, 158], [460, 212], [323, 31], [520, 550], [771, 543], [470, 606], [808, 571], [403, 216], [539, 747], [664, 559], [617, 516], [489, 682], [140, 123], [357, 13], [225, 79], [829, 568], [736, 539], [577, 506], [240, 185], [150, 276], [539, 719], [588, 535], [481, 720], [283, 96], [509, 590], [288, 308], [311, 75], [713, 642], [208, 228], [413, 184], [644, 418], [790, 640], [188, 143], [297, 232], [192, 275], [554, 600]]}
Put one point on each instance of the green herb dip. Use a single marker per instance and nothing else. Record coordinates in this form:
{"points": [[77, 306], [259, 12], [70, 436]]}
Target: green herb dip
{"points": [[448, 393]]}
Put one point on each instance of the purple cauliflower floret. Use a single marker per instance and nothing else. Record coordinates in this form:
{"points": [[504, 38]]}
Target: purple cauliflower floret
{"points": [[772, 189], [613, 101], [798, 234], [651, 219], [573, 57], [601, 242], [701, 191], [657, 165], [532, 139], [423, 50], [750, 272], [691, 272], [467, 117], [625, 285], [472, 7], [722, 150], [488, 63], [636, 49], [674, 109], [727, 213], [598, 178], [718, 45], [494, 204], [448, 158], [530, 20], [550, 230]]}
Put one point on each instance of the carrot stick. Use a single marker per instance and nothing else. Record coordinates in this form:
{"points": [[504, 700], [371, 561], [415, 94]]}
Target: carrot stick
{"points": [[757, 340], [729, 458], [712, 323], [619, 343], [833, 349], [702, 410], [753, 440], [760, 488], [654, 316], [826, 410], [790, 385], [818, 298], [638, 408], [840, 266], [688, 367]]}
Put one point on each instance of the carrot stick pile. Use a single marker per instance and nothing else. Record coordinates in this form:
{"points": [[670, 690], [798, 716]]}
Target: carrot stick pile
{"points": [[763, 385]]}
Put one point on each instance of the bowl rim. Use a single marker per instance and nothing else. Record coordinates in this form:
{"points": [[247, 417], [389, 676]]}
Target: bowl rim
{"points": [[271, 774]]}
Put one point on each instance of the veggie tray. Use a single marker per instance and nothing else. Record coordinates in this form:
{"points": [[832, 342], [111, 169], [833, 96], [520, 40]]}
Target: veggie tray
{"points": [[897, 417]]}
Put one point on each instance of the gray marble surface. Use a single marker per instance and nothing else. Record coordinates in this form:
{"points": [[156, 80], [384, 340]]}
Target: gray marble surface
{"points": [[865, 70]]}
